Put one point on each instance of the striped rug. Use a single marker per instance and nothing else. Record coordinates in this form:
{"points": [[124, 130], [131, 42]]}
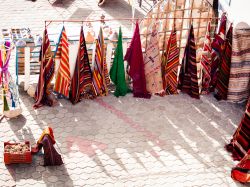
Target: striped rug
{"points": [[188, 79], [239, 80], [224, 70], [47, 68], [81, 83], [170, 65], [100, 69], [206, 62], [217, 48], [105, 67], [62, 83]]}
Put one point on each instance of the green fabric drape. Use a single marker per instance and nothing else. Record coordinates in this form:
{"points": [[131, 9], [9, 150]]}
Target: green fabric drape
{"points": [[117, 72]]}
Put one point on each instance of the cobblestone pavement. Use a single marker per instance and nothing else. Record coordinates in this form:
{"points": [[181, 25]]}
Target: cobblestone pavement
{"points": [[169, 141]]}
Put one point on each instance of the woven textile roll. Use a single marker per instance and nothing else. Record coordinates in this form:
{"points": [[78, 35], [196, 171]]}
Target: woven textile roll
{"points": [[239, 80]]}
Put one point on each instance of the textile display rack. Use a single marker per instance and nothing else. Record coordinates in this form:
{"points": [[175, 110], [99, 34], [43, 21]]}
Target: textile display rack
{"points": [[163, 16], [9, 89], [32, 50], [182, 12], [169, 9]]}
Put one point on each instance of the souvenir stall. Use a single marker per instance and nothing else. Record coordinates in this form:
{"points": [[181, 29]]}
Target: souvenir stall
{"points": [[176, 48]]}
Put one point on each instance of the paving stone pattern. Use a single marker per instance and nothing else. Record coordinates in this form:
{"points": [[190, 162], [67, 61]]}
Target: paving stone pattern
{"points": [[121, 142], [169, 141]]}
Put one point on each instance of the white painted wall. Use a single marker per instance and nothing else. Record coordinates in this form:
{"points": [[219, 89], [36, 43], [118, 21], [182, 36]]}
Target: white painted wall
{"points": [[238, 11]]}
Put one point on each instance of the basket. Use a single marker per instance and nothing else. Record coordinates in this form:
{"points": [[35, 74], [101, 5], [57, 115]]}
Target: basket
{"points": [[10, 158], [12, 113]]}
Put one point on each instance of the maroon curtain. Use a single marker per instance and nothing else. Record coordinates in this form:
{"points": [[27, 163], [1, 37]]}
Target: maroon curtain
{"points": [[135, 61]]}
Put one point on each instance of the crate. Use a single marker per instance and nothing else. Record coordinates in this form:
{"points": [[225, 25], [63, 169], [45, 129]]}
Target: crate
{"points": [[10, 158]]}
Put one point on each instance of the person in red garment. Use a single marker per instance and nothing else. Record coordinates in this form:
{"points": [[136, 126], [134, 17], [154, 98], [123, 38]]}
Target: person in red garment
{"points": [[47, 141]]}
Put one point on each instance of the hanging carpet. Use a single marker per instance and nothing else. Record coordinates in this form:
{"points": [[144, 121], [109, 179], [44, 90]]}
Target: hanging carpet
{"points": [[62, 83], [136, 70], [206, 62], [152, 64], [117, 72], [217, 49], [239, 79], [224, 71], [81, 83], [100, 73], [170, 65], [188, 80], [47, 68]]}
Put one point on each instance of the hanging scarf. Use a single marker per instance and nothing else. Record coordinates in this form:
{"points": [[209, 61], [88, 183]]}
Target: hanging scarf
{"points": [[170, 65], [188, 80], [117, 72], [136, 65], [206, 61], [81, 83], [100, 67], [5, 53], [224, 72], [62, 82], [47, 68], [152, 64], [217, 48], [4, 73]]}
